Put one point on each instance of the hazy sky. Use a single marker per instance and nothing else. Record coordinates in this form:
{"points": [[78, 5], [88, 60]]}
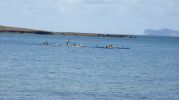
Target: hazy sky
{"points": [[103, 16]]}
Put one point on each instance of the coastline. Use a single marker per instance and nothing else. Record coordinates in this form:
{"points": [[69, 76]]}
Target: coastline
{"points": [[43, 32]]}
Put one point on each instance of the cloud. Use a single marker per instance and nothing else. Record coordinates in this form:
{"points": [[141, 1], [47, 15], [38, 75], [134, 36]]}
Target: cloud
{"points": [[94, 7], [29, 6], [121, 7]]}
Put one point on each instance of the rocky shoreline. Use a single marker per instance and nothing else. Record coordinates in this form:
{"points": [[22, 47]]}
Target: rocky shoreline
{"points": [[33, 31]]}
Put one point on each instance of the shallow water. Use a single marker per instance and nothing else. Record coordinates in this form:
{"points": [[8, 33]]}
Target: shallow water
{"points": [[149, 70]]}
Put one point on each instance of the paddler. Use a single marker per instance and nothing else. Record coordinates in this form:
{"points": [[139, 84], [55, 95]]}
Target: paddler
{"points": [[67, 42]]}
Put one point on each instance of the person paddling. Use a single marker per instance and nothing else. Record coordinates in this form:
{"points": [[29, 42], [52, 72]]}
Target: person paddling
{"points": [[45, 43], [67, 42]]}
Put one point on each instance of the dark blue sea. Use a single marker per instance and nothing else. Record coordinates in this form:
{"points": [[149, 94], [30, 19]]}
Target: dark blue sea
{"points": [[149, 70]]}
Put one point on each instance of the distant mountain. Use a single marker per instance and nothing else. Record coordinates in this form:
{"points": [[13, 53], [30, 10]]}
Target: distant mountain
{"points": [[161, 32]]}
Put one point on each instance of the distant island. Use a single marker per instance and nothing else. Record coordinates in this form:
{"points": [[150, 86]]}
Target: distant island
{"points": [[35, 31], [161, 32]]}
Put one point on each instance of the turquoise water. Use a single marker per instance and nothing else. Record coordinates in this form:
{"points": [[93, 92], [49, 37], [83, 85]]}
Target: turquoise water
{"points": [[149, 70]]}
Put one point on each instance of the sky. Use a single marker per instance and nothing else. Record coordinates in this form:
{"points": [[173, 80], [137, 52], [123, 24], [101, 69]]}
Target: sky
{"points": [[91, 16]]}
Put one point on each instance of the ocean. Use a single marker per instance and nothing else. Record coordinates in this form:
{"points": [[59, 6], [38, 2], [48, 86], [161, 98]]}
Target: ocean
{"points": [[149, 70]]}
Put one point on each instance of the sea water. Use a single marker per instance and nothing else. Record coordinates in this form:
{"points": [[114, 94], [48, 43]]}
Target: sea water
{"points": [[149, 70]]}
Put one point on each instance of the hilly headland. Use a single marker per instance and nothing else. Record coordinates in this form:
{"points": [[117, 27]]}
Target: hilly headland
{"points": [[36, 31]]}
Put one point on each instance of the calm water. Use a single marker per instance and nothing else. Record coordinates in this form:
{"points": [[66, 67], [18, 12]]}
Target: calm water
{"points": [[147, 71]]}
